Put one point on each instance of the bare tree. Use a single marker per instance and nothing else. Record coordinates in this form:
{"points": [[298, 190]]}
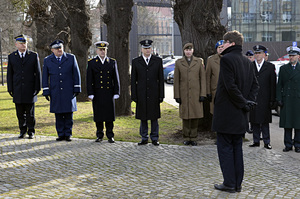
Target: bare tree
{"points": [[118, 19]]}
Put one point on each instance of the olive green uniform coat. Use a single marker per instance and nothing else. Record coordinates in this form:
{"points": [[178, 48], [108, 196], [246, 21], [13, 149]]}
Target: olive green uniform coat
{"points": [[189, 85], [212, 76]]}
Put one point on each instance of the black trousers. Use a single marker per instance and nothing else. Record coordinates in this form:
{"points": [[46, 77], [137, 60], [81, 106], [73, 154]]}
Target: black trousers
{"points": [[154, 130], [288, 140], [109, 129], [230, 154], [263, 129], [64, 124], [25, 115]]}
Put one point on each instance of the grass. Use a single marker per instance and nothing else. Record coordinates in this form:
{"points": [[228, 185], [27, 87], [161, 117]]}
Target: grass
{"points": [[126, 128]]}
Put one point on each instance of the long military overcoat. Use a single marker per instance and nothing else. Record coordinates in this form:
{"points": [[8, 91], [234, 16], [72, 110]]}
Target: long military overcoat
{"points": [[288, 91], [237, 84], [266, 78], [147, 87], [189, 85], [23, 78], [61, 80], [103, 82], [212, 76]]}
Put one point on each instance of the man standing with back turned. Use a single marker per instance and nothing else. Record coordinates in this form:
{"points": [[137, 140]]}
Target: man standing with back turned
{"points": [[236, 94]]}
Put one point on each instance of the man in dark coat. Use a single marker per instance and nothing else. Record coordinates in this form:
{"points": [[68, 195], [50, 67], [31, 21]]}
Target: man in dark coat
{"points": [[23, 84], [261, 115], [287, 95], [103, 87], [61, 84], [236, 92], [147, 90]]}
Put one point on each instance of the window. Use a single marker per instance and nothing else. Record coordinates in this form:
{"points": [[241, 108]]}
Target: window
{"points": [[268, 36], [288, 36], [248, 36]]}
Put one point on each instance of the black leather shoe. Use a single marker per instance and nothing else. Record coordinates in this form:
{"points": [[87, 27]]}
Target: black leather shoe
{"points": [[268, 146], [287, 149], [187, 142], [99, 140], [143, 142], [193, 143], [297, 150], [68, 139], [111, 140], [155, 143], [222, 187], [238, 189], [254, 145], [21, 135], [60, 138], [31, 136]]}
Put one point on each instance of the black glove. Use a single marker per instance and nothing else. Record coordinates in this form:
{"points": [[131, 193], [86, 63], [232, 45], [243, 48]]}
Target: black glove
{"points": [[273, 105], [201, 99], [161, 100], [75, 94], [178, 100], [35, 93], [280, 103], [47, 97], [11, 93], [249, 106], [209, 97]]}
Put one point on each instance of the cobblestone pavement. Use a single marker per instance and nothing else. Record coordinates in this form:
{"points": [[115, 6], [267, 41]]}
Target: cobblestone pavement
{"points": [[45, 168]]}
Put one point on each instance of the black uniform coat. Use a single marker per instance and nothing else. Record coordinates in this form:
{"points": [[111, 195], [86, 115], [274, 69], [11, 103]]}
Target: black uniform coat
{"points": [[237, 84], [24, 78], [61, 80], [103, 82], [147, 87], [266, 78], [288, 91]]}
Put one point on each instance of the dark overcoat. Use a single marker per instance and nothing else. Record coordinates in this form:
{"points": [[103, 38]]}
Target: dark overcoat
{"points": [[237, 84], [266, 78], [288, 91], [24, 78], [147, 87], [103, 82], [61, 80]]}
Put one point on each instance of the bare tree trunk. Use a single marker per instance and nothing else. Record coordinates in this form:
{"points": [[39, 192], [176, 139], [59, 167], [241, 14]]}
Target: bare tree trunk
{"points": [[81, 38], [118, 19], [199, 23]]}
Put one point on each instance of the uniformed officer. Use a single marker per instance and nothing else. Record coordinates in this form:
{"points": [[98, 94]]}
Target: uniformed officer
{"points": [[61, 84], [250, 55], [147, 90], [103, 87], [287, 94], [261, 115], [23, 84]]}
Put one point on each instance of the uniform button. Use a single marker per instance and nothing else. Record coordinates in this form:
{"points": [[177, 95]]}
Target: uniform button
{"points": [[107, 82], [101, 86], [107, 87], [100, 71], [101, 82], [147, 78], [60, 81], [107, 77], [59, 73], [107, 71], [61, 88], [59, 67], [100, 76]]}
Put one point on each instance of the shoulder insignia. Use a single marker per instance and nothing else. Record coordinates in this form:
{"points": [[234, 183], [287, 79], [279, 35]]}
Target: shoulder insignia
{"points": [[112, 59], [90, 59]]}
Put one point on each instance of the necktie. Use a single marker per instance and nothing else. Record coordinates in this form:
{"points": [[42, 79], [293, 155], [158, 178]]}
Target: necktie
{"points": [[294, 67], [58, 59], [147, 60]]}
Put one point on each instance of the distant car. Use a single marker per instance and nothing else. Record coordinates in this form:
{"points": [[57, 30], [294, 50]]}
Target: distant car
{"points": [[170, 77], [284, 58], [169, 66]]}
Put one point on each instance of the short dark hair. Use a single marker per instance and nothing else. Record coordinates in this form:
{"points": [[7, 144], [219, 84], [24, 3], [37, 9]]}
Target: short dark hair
{"points": [[234, 36]]}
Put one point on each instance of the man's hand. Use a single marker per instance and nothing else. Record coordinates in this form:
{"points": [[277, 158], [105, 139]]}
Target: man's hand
{"points": [[178, 100], [201, 99], [250, 105], [209, 97], [47, 97]]}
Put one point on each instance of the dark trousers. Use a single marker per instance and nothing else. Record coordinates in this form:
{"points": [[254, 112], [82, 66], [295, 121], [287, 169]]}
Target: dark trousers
{"points": [[64, 123], [109, 129], [230, 154], [25, 115], [263, 129], [288, 140], [190, 129], [144, 130]]}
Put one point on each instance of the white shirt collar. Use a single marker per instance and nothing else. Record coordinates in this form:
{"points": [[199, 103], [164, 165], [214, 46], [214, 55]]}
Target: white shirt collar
{"points": [[147, 58], [260, 65], [102, 60], [20, 54]]}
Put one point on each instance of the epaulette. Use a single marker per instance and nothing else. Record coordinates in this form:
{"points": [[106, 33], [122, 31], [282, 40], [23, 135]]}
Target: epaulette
{"points": [[90, 59], [112, 59]]}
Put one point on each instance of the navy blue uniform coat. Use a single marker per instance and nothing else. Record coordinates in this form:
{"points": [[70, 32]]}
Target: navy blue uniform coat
{"points": [[147, 87], [61, 80], [24, 79], [103, 82]]}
